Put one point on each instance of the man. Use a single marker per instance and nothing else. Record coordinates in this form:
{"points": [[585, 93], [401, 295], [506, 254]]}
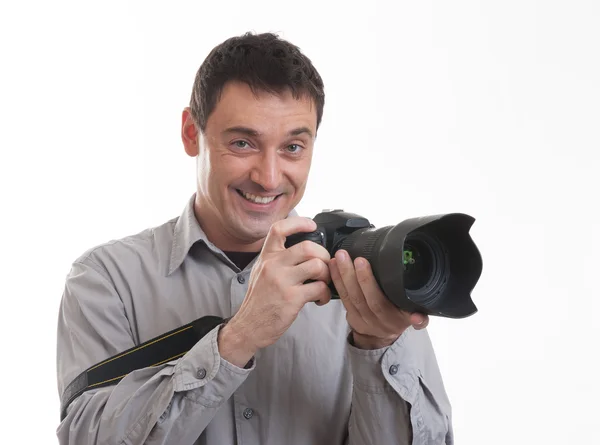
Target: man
{"points": [[290, 366]]}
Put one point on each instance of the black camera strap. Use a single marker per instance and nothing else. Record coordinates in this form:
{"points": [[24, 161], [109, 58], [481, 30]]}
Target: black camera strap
{"points": [[154, 352]]}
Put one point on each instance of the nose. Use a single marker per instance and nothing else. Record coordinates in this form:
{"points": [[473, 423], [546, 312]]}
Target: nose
{"points": [[266, 171]]}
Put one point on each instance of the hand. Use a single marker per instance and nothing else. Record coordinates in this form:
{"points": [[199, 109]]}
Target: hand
{"points": [[375, 321], [276, 291]]}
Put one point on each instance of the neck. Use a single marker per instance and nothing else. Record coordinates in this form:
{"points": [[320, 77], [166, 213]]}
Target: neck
{"points": [[217, 233]]}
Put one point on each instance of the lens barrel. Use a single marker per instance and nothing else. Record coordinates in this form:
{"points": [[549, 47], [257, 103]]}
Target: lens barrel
{"points": [[427, 264]]}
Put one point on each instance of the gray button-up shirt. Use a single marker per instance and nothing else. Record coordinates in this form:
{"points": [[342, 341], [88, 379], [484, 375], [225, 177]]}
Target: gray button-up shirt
{"points": [[311, 387]]}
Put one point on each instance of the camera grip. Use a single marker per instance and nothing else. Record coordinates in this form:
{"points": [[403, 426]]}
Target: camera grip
{"points": [[317, 236]]}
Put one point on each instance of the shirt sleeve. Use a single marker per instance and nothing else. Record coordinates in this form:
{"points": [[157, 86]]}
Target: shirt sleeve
{"points": [[398, 395], [171, 403]]}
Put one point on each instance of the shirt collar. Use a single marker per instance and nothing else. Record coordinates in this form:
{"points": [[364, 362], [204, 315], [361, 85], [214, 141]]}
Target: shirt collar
{"points": [[187, 232]]}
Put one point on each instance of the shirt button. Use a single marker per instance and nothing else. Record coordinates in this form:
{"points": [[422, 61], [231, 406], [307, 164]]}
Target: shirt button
{"points": [[201, 373], [241, 279], [393, 369], [248, 413]]}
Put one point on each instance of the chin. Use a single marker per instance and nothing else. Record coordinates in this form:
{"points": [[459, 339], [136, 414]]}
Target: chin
{"points": [[253, 231], [256, 226]]}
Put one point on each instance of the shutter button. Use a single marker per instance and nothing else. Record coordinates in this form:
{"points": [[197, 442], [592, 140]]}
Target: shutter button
{"points": [[248, 413], [201, 373]]}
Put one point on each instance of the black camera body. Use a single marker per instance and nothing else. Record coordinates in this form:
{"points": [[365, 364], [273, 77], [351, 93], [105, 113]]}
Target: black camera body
{"points": [[427, 264]]}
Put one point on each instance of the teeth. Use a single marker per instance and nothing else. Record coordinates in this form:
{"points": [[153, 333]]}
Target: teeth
{"points": [[258, 199]]}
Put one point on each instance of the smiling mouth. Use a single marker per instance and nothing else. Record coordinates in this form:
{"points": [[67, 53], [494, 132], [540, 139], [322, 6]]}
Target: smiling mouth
{"points": [[257, 199]]}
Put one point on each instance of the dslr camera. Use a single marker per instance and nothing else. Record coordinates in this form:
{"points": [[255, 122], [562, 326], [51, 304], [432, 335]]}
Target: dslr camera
{"points": [[427, 264]]}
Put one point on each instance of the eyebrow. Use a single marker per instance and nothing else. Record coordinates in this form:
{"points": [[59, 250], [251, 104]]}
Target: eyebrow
{"points": [[252, 132]]}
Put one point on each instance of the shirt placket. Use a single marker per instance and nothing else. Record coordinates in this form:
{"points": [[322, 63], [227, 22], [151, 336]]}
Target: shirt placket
{"points": [[245, 415], [239, 287]]}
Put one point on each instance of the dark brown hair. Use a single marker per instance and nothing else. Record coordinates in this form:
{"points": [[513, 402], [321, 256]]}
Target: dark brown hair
{"points": [[265, 62]]}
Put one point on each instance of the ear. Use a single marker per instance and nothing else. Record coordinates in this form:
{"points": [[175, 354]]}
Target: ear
{"points": [[189, 133]]}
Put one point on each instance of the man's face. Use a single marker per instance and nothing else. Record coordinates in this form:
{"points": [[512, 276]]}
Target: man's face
{"points": [[253, 163]]}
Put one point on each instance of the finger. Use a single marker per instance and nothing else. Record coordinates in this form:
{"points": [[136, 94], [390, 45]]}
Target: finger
{"points": [[374, 296], [316, 291], [351, 285], [313, 269], [325, 298], [279, 231], [304, 251], [337, 281], [385, 312], [419, 321]]}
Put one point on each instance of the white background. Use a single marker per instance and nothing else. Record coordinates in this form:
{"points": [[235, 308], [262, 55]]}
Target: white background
{"points": [[488, 108]]}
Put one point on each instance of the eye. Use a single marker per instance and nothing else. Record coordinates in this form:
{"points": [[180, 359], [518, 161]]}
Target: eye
{"points": [[240, 144], [294, 148]]}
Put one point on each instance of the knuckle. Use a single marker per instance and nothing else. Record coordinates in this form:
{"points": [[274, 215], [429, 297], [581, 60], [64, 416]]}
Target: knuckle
{"points": [[325, 255], [355, 300], [268, 265], [306, 247], [308, 267], [376, 308], [311, 268], [277, 229], [318, 265], [306, 223], [323, 270], [305, 270], [322, 287], [342, 293], [363, 278], [325, 273], [289, 295], [324, 290]]}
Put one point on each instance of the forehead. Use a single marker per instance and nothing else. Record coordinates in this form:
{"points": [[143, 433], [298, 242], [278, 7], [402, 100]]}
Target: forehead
{"points": [[263, 111]]}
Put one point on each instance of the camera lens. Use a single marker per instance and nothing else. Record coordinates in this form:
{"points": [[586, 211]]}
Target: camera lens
{"points": [[418, 264], [425, 266]]}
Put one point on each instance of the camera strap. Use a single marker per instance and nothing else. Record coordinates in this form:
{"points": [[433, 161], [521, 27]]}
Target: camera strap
{"points": [[154, 352]]}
